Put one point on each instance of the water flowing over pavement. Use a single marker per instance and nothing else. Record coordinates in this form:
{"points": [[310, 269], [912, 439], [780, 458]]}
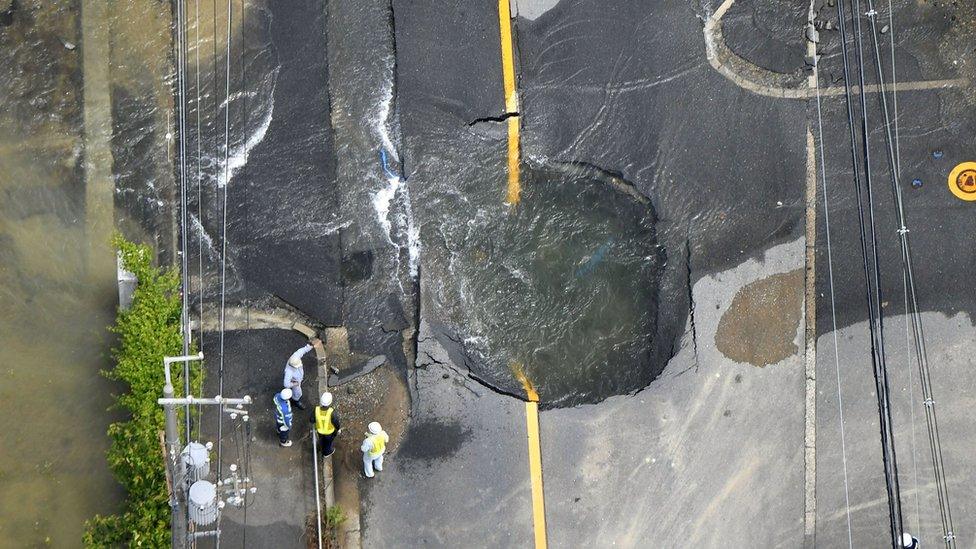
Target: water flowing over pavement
{"points": [[714, 445], [615, 119]]}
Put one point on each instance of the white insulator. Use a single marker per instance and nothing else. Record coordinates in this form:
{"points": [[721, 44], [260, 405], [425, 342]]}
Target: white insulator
{"points": [[203, 503], [196, 460]]}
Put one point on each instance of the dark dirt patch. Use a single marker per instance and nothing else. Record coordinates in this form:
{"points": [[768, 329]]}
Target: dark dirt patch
{"points": [[760, 326], [434, 440]]}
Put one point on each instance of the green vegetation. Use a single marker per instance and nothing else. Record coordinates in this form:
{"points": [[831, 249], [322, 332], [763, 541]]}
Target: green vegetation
{"points": [[333, 518], [147, 332]]}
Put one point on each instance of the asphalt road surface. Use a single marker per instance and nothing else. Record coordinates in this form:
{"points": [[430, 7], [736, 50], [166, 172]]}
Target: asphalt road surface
{"points": [[709, 122]]}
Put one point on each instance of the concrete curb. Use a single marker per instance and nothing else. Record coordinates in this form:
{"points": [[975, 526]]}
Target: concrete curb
{"points": [[336, 354], [731, 66]]}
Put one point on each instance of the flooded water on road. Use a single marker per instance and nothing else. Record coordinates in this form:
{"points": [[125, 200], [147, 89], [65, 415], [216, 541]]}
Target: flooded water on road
{"points": [[562, 288]]}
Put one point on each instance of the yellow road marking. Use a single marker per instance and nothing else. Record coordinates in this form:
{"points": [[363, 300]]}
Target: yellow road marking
{"points": [[535, 472], [508, 64], [514, 185], [535, 458], [511, 101], [512, 198]]}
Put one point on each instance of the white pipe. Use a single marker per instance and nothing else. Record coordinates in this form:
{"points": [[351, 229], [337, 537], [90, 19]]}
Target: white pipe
{"points": [[318, 502], [194, 400], [182, 358], [167, 360]]}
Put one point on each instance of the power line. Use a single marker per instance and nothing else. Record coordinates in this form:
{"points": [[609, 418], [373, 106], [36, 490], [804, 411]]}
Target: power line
{"points": [[908, 342], [223, 239], [184, 275], [245, 438], [833, 312], [935, 444], [873, 292]]}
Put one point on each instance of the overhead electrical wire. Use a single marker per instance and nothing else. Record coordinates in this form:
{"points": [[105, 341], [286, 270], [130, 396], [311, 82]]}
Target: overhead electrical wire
{"points": [[181, 126], [200, 277], [935, 443], [831, 286], [908, 340], [833, 310], [181, 48], [873, 292], [245, 432], [223, 185]]}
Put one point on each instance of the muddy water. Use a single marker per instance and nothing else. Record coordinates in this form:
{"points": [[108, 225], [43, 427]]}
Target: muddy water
{"points": [[561, 289], [57, 273], [53, 337]]}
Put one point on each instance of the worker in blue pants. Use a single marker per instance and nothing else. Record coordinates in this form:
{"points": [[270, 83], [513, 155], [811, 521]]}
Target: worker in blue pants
{"points": [[283, 416]]}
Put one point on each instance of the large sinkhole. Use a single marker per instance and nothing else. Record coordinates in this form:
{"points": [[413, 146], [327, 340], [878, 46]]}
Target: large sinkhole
{"points": [[561, 289]]}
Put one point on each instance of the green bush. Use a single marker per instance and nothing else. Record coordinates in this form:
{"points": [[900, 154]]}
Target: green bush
{"points": [[147, 332]]}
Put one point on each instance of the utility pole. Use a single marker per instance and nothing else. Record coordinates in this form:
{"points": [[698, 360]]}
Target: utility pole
{"points": [[195, 501]]}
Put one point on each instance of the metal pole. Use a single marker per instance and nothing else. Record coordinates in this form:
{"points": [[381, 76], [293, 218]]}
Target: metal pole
{"points": [[172, 446], [179, 517], [172, 439], [318, 502]]}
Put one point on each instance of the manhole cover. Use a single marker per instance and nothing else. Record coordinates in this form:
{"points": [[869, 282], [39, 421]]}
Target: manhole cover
{"points": [[962, 181]]}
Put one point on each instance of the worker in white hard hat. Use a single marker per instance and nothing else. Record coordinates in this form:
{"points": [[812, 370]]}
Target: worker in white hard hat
{"points": [[295, 373], [908, 541], [373, 447], [326, 422], [283, 417]]}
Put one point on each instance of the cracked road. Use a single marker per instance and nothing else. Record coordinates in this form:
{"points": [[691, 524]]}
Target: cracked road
{"points": [[625, 210], [714, 451]]}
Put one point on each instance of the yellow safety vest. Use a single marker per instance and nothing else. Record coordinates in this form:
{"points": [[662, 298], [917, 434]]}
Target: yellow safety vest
{"points": [[379, 444], [323, 421]]}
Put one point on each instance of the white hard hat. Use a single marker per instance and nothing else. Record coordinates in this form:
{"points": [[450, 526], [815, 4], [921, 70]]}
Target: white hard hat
{"points": [[286, 394], [295, 362], [907, 539], [374, 428], [326, 399]]}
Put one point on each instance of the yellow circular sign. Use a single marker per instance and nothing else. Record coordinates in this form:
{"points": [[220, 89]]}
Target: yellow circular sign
{"points": [[962, 181]]}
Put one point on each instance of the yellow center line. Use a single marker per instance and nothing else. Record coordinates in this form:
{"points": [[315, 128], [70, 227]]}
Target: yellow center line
{"points": [[511, 101], [514, 185], [535, 458], [512, 198]]}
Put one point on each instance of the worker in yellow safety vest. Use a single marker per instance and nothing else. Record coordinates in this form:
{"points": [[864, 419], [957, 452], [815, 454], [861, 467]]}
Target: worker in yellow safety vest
{"points": [[373, 447], [326, 422]]}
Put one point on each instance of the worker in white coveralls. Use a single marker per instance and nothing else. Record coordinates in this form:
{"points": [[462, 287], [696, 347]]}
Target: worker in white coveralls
{"points": [[373, 447], [295, 373]]}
